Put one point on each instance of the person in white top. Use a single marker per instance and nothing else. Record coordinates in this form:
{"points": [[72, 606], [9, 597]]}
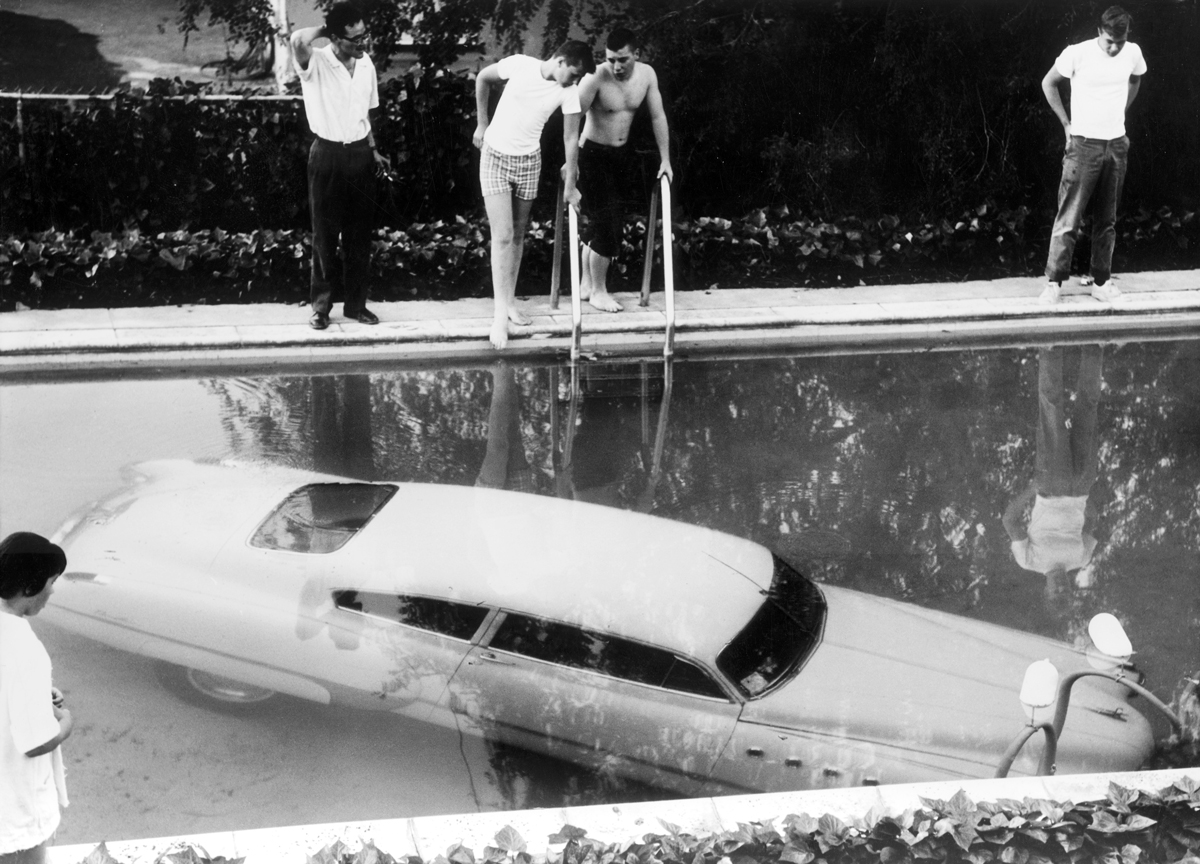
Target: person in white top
{"points": [[33, 722], [340, 87], [1104, 75], [1057, 540], [510, 161]]}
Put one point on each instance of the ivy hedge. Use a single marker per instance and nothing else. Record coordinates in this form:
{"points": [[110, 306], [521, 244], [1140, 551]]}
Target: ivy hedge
{"points": [[448, 259], [164, 158], [1127, 827]]}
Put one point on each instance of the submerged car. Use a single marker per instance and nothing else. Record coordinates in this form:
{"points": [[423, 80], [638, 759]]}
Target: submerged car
{"points": [[672, 654]]}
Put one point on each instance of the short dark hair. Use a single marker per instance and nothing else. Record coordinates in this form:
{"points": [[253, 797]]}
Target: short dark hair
{"points": [[341, 17], [1116, 22], [576, 53], [620, 37], [27, 562]]}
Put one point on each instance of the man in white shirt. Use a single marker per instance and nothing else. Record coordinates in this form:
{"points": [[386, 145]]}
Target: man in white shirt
{"points": [[1104, 74], [33, 721], [510, 161], [339, 85]]}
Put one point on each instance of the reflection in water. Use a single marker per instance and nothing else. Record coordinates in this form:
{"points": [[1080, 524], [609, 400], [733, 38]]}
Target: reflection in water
{"points": [[1056, 538]]}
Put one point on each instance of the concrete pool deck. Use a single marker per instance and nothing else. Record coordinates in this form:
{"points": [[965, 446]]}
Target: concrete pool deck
{"points": [[745, 319]]}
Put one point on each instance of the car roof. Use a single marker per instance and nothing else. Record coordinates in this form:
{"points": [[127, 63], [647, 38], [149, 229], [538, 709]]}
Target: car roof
{"points": [[684, 588]]}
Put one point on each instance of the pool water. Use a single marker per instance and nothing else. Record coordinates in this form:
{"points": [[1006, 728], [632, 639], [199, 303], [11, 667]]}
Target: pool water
{"points": [[896, 474]]}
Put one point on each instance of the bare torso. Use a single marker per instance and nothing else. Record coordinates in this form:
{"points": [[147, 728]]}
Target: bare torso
{"points": [[611, 114]]}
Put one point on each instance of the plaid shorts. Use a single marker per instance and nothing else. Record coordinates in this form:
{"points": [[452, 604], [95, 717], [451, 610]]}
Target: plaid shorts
{"points": [[500, 174]]}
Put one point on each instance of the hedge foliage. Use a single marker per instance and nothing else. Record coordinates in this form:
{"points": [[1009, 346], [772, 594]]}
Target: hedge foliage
{"points": [[1128, 827], [832, 109], [165, 159], [450, 258]]}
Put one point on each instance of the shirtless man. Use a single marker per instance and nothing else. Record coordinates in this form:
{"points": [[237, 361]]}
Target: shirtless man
{"points": [[610, 97]]}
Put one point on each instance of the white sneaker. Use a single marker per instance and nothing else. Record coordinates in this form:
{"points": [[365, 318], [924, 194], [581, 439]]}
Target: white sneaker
{"points": [[1050, 294], [1087, 280], [1106, 293]]}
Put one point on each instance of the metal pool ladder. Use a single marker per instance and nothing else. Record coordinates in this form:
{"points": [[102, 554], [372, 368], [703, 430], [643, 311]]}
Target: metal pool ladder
{"points": [[647, 265]]}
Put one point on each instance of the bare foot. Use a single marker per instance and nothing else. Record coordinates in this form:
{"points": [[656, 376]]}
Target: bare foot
{"points": [[518, 317], [604, 301], [499, 334]]}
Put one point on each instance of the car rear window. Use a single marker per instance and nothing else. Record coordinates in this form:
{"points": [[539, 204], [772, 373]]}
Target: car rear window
{"points": [[780, 635], [426, 613], [568, 645], [321, 517]]}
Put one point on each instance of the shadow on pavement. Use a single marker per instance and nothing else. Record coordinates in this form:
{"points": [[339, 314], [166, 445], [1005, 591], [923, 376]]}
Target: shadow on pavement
{"points": [[49, 55]]}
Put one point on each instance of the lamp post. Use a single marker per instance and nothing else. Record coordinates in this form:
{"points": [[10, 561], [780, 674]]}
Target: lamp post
{"points": [[1038, 692]]}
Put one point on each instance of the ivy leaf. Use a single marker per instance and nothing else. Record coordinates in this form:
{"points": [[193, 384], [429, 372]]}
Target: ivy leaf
{"points": [[99, 855], [509, 840], [567, 833], [460, 854]]}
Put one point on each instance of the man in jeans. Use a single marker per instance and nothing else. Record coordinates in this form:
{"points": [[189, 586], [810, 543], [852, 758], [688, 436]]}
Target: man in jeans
{"points": [[1104, 75]]}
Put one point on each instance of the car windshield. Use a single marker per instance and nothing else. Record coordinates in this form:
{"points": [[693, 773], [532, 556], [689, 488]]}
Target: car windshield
{"points": [[780, 636], [321, 517]]}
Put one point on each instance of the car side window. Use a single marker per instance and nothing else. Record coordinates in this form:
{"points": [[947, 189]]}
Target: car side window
{"points": [[321, 517], [568, 645], [425, 613]]}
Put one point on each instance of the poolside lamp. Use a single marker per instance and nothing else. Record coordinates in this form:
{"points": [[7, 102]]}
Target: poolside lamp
{"points": [[1113, 647], [1040, 687]]}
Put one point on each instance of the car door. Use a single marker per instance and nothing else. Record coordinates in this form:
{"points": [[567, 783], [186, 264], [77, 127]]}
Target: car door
{"points": [[595, 699], [419, 643]]}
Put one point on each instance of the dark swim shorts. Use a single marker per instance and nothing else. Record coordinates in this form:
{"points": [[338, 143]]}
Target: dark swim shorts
{"points": [[606, 182]]}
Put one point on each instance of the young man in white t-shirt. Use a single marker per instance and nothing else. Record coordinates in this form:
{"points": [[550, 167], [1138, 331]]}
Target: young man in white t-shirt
{"points": [[510, 160], [1105, 74]]}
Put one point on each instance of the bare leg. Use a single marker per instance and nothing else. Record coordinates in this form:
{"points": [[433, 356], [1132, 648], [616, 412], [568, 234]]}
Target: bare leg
{"points": [[597, 270], [585, 272], [520, 211], [500, 220]]}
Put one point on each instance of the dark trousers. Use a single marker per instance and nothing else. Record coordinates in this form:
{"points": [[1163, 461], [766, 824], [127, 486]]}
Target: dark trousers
{"points": [[341, 196]]}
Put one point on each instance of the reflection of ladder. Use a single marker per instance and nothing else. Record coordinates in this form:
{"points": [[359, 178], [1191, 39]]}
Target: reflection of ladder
{"points": [[646, 498], [647, 265]]}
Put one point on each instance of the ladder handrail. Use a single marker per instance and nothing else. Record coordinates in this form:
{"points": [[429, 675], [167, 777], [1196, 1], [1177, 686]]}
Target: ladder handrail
{"points": [[556, 268], [576, 302], [668, 267]]}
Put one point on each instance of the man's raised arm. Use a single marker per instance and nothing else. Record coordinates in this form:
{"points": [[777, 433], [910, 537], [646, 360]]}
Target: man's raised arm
{"points": [[302, 40]]}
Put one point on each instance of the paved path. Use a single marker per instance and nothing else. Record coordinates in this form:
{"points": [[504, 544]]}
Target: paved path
{"points": [[732, 319]]}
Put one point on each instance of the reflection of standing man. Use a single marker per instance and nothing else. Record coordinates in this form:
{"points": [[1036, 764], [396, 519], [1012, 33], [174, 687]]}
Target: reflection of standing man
{"points": [[1057, 540], [1104, 75], [339, 86], [611, 96]]}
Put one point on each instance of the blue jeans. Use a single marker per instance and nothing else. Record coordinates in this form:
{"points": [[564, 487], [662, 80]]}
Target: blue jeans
{"points": [[1090, 167]]}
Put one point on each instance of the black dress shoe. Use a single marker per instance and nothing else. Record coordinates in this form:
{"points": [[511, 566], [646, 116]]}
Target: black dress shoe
{"points": [[366, 316], [319, 320]]}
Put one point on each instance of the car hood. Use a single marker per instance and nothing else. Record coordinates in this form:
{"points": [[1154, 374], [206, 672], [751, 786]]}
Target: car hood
{"points": [[891, 672]]}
